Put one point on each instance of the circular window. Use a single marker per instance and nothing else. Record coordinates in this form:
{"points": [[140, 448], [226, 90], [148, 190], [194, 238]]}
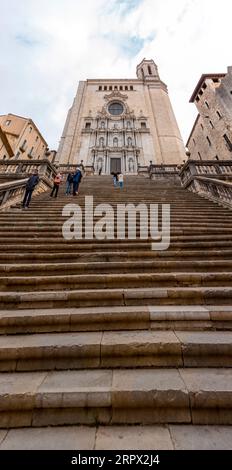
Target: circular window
{"points": [[115, 109]]}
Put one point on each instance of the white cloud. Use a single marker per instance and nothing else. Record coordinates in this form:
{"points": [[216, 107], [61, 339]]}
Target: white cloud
{"points": [[48, 46]]}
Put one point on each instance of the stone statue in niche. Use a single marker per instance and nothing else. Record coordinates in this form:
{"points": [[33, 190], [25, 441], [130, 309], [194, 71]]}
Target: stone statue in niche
{"points": [[99, 164], [131, 166]]}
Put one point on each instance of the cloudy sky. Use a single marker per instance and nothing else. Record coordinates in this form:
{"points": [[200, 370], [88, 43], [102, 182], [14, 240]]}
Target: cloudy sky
{"points": [[47, 46]]}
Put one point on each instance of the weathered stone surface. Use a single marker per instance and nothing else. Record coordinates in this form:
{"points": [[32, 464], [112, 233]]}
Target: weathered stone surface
{"points": [[178, 313], [153, 388], [59, 438], [75, 389], [201, 437], [17, 391], [133, 437], [3, 434], [148, 348]]}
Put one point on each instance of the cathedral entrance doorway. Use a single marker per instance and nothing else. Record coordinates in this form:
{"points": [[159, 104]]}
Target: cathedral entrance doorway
{"points": [[115, 165]]}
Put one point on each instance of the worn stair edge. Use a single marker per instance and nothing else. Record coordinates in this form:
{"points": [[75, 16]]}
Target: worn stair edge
{"points": [[115, 350], [117, 297], [189, 317], [149, 396]]}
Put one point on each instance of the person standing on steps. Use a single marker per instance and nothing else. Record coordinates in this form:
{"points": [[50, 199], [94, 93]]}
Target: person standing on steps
{"points": [[121, 180], [30, 186], [57, 182], [69, 183], [82, 167], [115, 179], [76, 181]]}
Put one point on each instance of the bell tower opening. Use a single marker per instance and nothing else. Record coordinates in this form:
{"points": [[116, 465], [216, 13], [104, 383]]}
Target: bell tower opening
{"points": [[147, 70]]}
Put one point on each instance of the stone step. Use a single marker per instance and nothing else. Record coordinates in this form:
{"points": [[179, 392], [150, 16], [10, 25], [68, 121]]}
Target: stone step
{"points": [[166, 317], [176, 206], [112, 281], [180, 228], [38, 238], [94, 255], [117, 297], [116, 437], [52, 214], [158, 266], [126, 396], [125, 349], [117, 246], [22, 216]]}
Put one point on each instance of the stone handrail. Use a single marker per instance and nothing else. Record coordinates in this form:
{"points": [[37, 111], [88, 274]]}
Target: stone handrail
{"points": [[208, 168], [143, 171], [11, 191], [18, 172], [88, 169], [22, 167], [219, 191], [158, 171]]}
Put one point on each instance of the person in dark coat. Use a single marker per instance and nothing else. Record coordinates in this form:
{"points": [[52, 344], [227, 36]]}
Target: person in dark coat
{"points": [[30, 186], [76, 181], [69, 183], [115, 179]]}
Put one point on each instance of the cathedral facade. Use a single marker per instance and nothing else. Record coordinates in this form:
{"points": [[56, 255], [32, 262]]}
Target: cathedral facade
{"points": [[117, 125]]}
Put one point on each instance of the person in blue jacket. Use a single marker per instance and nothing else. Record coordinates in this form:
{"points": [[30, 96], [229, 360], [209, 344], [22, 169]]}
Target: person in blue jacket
{"points": [[76, 181], [30, 186]]}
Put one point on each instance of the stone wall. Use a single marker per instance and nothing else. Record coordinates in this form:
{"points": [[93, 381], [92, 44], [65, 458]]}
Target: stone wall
{"points": [[214, 104]]}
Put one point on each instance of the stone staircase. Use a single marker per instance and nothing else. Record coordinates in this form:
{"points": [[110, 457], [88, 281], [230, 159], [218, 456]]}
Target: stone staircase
{"points": [[109, 342]]}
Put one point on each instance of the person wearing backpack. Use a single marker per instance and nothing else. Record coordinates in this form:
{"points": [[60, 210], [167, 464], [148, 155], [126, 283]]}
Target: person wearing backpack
{"points": [[30, 186], [69, 183], [57, 181], [76, 181]]}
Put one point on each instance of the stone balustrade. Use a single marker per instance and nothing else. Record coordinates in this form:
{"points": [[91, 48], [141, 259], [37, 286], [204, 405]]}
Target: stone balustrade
{"points": [[89, 169], [170, 172], [23, 167], [210, 179], [217, 190], [209, 168], [14, 176]]}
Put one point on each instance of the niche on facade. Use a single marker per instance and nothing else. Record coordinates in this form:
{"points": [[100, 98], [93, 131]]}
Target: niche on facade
{"points": [[131, 165], [101, 142], [115, 142], [99, 164]]}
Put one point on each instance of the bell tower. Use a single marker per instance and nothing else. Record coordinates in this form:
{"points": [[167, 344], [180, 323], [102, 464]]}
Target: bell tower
{"points": [[147, 70]]}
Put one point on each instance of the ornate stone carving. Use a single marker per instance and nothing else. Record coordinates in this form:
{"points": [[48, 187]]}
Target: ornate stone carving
{"points": [[116, 95]]}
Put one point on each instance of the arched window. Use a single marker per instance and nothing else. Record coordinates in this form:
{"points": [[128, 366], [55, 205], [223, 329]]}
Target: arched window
{"points": [[101, 142], [129, 142], [115, 142]]}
